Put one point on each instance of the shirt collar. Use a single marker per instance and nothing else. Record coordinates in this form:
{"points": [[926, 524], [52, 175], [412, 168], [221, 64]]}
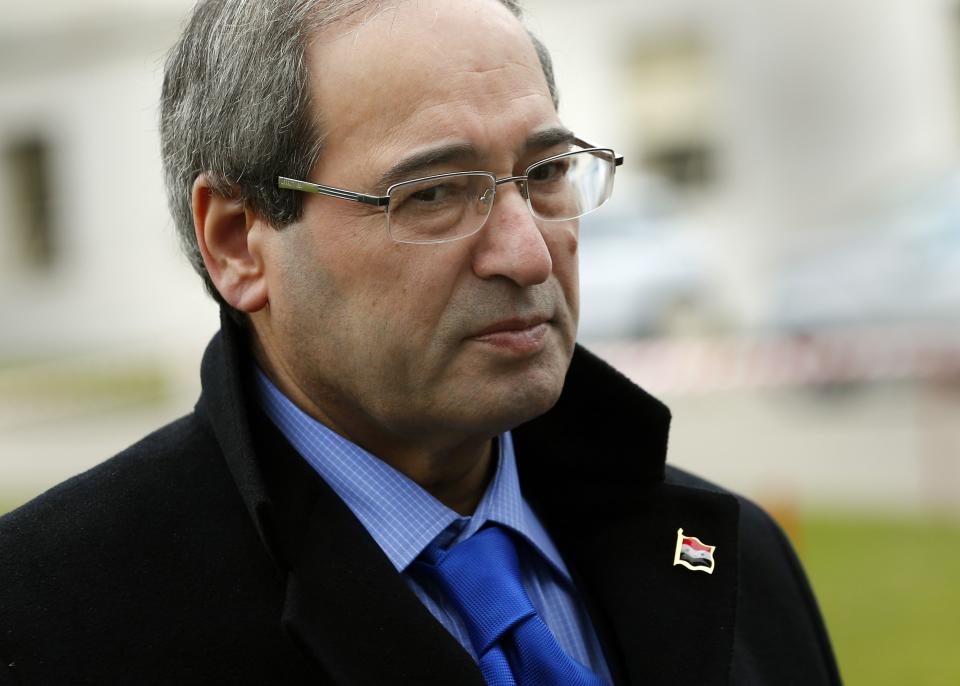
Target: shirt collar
{"points": [[398, 513]]}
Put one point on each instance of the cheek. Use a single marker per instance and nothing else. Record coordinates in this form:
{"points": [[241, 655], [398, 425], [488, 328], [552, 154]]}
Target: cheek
{"points": [[310, 283], [564, 248], [345, 260], [571, 240], [423, 280]]}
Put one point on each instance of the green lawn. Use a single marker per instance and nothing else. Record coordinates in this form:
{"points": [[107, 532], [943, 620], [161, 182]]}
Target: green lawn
{"points": [[889, 589], [8, 501]]}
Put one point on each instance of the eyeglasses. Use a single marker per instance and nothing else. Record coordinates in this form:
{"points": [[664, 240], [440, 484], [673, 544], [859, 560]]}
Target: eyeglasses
{"points": [[448, 207]]}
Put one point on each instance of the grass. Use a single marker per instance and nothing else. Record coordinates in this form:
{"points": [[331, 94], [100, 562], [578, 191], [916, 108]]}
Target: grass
{"points": [[889, 589], [890, 592], [10, 501]]}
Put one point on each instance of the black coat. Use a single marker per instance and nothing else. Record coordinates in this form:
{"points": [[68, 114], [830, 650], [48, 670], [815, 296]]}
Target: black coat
{"points": [[211, 553]]}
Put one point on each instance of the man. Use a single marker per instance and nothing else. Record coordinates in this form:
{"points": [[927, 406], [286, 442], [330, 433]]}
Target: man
{"points": [[397, 444]]}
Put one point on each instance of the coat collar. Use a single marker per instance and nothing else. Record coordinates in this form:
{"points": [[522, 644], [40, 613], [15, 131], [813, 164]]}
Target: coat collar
{"points": [[345, 605], [592, 467]]}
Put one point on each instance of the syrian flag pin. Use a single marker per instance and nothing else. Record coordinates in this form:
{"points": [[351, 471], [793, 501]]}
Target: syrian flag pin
{"points": [[693, 554]]}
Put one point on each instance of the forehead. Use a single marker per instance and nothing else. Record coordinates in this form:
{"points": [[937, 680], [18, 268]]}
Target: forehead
{"points": [[423, 71]]}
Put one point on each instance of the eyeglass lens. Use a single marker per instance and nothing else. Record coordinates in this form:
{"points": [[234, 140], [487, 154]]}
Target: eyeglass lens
{"points": [[438, 208], [571, 186], [451, 206]]}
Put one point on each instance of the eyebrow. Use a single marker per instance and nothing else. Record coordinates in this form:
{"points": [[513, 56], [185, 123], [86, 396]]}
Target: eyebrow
{"points": [[407, 168], [549, 138]]}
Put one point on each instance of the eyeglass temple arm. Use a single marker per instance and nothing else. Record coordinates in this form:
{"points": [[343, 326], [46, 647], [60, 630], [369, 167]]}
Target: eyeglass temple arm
{"points": [[307, 187], [379, 200], [618, 160]]}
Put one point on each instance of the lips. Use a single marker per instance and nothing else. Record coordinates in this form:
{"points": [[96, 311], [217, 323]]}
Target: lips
{"points": [[518, 336], [512, 325]]}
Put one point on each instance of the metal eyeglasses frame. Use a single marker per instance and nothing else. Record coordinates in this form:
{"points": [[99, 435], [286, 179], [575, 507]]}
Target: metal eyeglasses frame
{"points": [[384, 200]]}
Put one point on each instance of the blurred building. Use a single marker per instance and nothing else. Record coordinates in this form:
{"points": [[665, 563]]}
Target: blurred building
{"points": [[87, 256], [768, 134], [773, 132], [781, 159]]}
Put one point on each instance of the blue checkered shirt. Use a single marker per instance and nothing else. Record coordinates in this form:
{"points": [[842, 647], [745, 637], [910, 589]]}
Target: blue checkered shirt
{"points": [[403, 519]]}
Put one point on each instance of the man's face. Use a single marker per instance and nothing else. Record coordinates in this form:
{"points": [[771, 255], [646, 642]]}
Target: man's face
{"points": [[433, 343]]}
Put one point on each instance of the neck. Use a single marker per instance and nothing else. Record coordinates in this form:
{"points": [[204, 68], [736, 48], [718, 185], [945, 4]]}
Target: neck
{"points": [[458, 478], [457, 474], [453, 468]]}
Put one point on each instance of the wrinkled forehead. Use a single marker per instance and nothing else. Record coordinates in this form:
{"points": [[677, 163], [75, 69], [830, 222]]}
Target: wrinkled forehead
{"points": [[395, 34], [427, 69]]}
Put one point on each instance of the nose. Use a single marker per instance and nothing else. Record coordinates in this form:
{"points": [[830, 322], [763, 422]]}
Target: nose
{"points": [[511, 244]]}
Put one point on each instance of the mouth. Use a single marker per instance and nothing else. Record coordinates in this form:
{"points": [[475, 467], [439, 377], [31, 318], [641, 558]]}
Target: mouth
{"points": [[517, 336]]}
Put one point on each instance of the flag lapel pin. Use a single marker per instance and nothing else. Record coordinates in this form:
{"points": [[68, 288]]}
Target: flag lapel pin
{"points": [[693, 554]]}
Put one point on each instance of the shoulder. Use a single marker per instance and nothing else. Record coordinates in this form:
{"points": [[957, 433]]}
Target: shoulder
{"points": [[133, 516], [761, 543], [776, 606], [754, 522], [127, 482], [153, 543], [128, 506]]}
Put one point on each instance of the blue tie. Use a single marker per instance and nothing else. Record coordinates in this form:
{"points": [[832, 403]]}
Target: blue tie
{"points": [[481, 576]]}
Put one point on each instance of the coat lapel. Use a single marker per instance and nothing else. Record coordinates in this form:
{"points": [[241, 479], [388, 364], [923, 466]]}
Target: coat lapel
{"points": [[350, 610], [662, 622], [599, 488], [345, 605], [592, 467]]}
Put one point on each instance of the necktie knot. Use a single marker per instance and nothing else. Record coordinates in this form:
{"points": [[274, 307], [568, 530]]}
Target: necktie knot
{"points": [[481, 575]]}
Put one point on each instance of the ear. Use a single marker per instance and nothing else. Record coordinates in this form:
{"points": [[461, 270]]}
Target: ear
{"points": [[226, 234]]}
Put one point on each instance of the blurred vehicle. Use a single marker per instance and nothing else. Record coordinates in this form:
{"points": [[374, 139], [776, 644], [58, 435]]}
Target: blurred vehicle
{"points": [[901, 268], [639, 277]]}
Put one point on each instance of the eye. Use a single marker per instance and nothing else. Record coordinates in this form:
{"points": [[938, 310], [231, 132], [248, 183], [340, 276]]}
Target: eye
{"points": [[431, 194], [549, 171]]}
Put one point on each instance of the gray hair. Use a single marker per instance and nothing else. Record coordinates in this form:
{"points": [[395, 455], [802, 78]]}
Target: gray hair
{"points": [[236, 105]]}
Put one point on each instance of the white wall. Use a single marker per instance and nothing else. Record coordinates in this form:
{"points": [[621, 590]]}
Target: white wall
{"points": [[824, 109], [118, 277], [826, 112]]}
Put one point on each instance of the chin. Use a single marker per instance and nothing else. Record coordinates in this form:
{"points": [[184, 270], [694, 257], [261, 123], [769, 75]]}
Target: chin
{"points": [[500, 396], [530, 395]]}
